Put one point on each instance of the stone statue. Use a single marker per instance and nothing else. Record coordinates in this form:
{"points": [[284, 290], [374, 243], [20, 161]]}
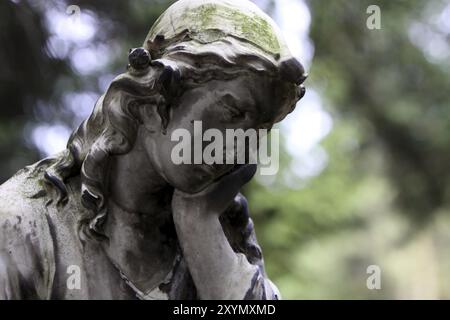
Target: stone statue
{"points": [[112, 217]]}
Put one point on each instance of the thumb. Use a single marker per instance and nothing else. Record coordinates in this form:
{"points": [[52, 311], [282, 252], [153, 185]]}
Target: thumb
{"points": [[228, 186], [244, 173]]}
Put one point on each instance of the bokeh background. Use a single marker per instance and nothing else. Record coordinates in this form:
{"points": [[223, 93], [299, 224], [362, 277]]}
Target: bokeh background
{"points": [[365, 163]]}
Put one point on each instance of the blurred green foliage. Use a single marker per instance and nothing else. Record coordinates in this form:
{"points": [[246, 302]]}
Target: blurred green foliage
{"points": [[385, 190], [383, 197]]}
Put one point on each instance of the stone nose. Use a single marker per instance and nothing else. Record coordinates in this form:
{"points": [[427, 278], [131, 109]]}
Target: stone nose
{"points": [[302, 91]]}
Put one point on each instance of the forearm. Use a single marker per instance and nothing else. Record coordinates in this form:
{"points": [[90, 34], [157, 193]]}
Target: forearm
{"points": [[216, 269]]}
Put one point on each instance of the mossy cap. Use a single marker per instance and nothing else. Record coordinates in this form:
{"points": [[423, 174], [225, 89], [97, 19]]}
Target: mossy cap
{"points": [[216, 25]]}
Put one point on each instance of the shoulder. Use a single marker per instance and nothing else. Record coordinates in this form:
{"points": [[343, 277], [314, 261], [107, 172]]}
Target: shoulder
{"points": [[22, 203], [26, 244]]}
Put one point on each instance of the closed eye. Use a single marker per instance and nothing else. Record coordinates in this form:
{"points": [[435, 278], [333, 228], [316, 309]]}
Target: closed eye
{"points": [[234, 112], [231, 108]]}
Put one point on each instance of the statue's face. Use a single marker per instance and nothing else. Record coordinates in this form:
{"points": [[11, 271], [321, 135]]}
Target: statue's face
{"points": [[247, 102]]}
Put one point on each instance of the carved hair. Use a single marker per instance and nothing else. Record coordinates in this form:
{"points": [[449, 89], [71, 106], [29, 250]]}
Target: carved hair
{"points": [[111, 129]]}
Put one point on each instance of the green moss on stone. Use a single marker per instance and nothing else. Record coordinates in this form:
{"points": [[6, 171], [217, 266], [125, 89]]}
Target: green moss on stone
{"points": [[248, 26]]}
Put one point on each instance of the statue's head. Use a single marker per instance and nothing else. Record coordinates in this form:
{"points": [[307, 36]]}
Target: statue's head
{"points": [[222, 62]]}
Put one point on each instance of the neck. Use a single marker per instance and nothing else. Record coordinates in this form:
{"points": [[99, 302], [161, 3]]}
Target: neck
{"points": [[142, 240]]}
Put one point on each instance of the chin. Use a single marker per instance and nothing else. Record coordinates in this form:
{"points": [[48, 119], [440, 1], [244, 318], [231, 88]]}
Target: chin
{"points": [[194, 179], [195, 184]]}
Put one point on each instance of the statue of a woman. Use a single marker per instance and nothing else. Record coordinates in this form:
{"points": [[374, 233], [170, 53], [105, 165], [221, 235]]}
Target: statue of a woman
{"points": [[112, 217]]}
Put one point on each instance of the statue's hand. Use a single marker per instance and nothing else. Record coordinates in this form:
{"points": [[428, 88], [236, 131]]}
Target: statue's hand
{"points": [[216, 197], [215, 268]]}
